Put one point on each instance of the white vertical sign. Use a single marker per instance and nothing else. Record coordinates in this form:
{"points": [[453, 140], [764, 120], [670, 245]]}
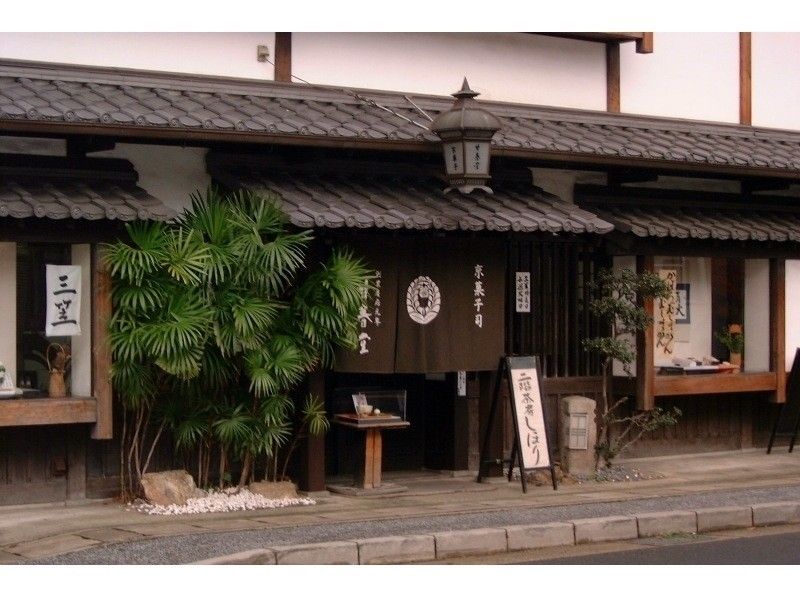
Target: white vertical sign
{"points": [[530, 418], [523, 294], [63, 300], [462, 383]]}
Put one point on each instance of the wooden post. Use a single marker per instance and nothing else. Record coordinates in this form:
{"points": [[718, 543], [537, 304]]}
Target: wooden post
{"points": [[283, 57], [644, 45], [101, 348], [777, 324], [494, 439], [612, 77], [745, 79], [645, 347], [312, 453]]}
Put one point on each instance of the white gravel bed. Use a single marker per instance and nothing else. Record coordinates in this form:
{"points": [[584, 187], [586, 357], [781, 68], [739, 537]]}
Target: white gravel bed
{"points": [[222, 501]]}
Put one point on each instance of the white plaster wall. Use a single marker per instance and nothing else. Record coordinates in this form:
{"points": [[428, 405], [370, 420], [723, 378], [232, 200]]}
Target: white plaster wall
{"points": [[226, 54], [513, 67], [776, 80], [81, 365], [756, 315], [8, 309], [792, 310], [688, 75], [168, 173]]}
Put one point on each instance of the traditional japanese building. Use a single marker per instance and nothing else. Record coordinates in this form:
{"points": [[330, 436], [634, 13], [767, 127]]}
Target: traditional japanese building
{"points": [[576, 185]]}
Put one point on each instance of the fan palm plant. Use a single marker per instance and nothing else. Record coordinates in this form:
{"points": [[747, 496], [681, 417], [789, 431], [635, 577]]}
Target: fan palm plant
{"points": [[219, 313]]}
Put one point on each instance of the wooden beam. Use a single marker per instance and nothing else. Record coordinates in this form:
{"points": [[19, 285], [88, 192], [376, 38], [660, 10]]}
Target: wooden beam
{"points": [[745, 79], [46, 412], [283, 57], [101, 348], [777, 324], [612, 77], [707, 384], [644, 45], [645, 347]]}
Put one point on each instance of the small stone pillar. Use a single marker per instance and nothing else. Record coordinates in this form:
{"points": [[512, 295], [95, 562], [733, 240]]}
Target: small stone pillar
{"points": [[577, 434]]}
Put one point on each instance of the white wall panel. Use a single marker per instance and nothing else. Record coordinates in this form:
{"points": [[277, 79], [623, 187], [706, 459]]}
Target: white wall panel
{"points": [[756, 316], [688, 75], [513, 67], [776, 80], [792, 310], [226, 54]]}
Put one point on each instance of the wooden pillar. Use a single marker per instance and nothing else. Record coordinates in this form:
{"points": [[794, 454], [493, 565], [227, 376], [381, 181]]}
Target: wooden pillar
{"points": [[283, 57], [495, 448], [101, 348], [745, 78], [312, 454], [645, 347], [612, 77], [644, 45], [777, 325]]}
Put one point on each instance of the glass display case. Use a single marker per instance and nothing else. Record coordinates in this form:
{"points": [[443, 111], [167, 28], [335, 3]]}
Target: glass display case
{"points": [[365, 405]]}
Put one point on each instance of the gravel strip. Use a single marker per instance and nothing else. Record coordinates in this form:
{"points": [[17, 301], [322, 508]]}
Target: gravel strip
{"points": [[195, 547]]}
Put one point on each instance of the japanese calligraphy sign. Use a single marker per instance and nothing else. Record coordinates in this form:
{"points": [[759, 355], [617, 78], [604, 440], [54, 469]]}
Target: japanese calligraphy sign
{"points": [[523, 293], [63, 300], [526, 393], [666, 315]]}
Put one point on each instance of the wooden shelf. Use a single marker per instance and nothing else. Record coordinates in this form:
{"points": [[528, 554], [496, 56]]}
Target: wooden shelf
{"points": [[703, 384], [47, 412]]}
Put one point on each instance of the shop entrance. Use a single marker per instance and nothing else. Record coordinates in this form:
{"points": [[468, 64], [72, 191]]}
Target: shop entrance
{"points": [[437, 438]]}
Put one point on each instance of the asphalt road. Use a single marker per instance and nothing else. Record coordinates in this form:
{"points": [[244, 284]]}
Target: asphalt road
{"points": [[773, 549]]}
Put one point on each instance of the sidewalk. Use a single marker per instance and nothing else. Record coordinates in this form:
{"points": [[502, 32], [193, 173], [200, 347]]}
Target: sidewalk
{"points": [[107, 532]]}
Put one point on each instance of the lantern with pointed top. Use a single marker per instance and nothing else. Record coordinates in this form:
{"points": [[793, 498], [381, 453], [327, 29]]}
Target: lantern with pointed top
{"points": [[466, 131]]}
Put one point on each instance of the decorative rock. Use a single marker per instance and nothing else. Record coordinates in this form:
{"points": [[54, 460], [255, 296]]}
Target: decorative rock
{"points": [[719, 518], [274, 490], [666, 522], [605, 529], [396, 549], [166, 488], [524, 537], [776, 513], [467, 542]]}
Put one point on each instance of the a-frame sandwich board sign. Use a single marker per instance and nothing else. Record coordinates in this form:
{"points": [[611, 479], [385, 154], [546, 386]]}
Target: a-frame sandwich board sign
{"points": [[532, 450]]}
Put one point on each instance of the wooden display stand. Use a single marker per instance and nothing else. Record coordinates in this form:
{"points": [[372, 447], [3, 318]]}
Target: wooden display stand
{"points": [[368, 476]]}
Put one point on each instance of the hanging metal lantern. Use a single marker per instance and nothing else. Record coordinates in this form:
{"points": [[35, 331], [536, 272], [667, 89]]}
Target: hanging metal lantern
{"points": [[466, 131]]}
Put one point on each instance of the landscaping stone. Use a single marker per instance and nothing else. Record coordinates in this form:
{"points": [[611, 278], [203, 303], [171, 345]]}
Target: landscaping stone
{"points": [[396, 549], [720, 518], [166, 488], [325, 553], [470, 542], [776, 513], [605, 529], [523, 537], [259, 556], [666, 522], [274, 490]]}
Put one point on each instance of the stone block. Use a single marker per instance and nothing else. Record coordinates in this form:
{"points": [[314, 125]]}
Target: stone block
{"points": [[170, 488], [720, 518], [523, 537], [396, 549], [259, 556], [324, 553], [776, 513], [605, 529], [274, 490], [666, 522], [577, 460], [470, 542]]}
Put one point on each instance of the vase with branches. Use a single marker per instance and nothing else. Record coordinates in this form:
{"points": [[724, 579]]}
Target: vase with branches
{"points": [[618, 303]]}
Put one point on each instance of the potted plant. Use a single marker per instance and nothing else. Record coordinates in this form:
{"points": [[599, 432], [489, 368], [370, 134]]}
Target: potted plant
{"points": [[732, 338]]}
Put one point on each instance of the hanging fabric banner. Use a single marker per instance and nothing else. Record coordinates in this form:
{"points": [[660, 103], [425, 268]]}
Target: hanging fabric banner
{"points": [[63, 300], [441, 303]]}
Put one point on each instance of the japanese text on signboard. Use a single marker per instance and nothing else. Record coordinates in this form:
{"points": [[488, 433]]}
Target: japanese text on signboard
{"points": [[63, 300], [530, 418]]}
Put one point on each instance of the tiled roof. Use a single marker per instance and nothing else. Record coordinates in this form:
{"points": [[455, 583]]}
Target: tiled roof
{"points": [[175, 105], [704, 223], [408, 202], [78, 194]]}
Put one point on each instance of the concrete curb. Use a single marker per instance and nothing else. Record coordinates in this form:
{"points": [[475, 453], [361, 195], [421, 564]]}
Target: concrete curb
{"points": [[476, 542]]}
